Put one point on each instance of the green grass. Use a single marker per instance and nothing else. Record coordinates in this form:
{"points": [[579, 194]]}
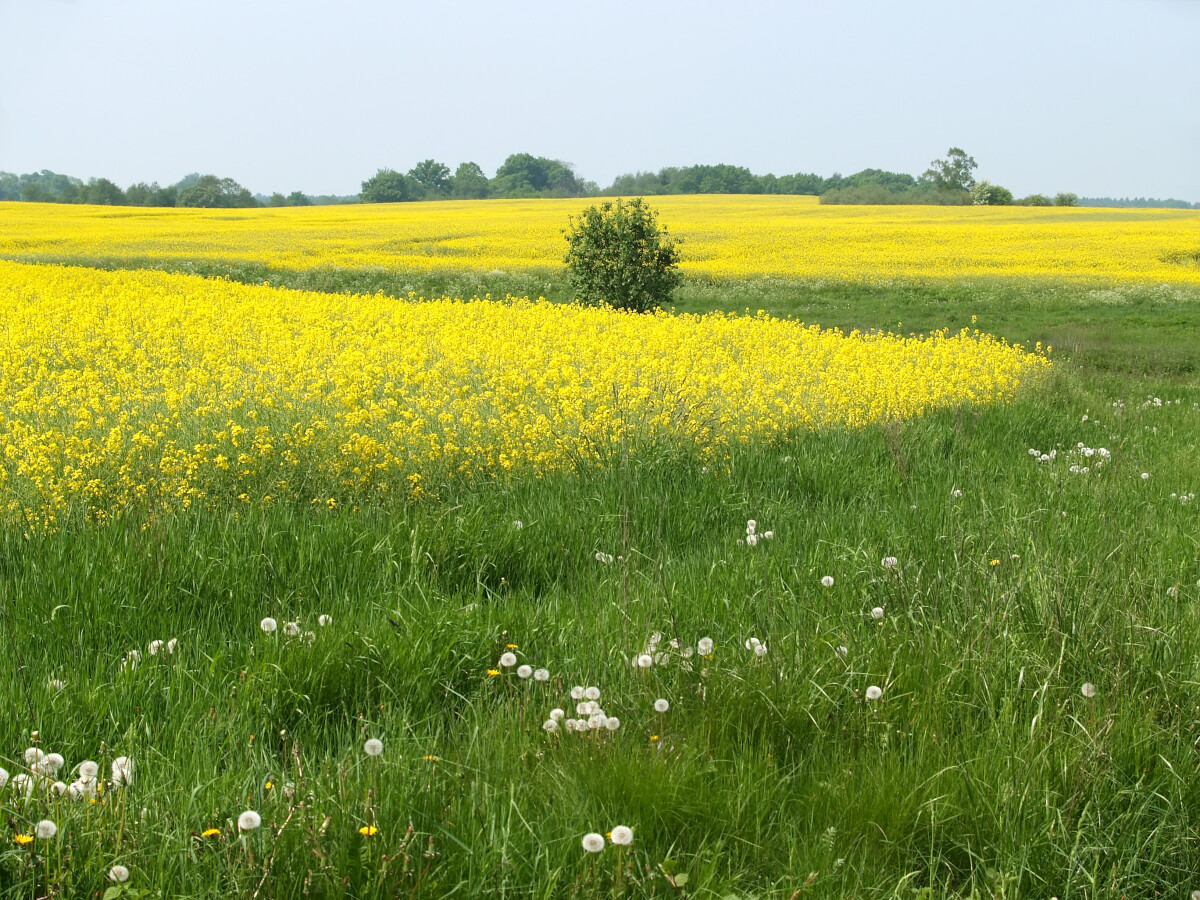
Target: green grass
{"points": [[982, 772]]}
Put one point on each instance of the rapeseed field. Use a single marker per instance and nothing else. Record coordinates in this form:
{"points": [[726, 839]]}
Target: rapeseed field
{"points": [[724, 237], [149, 389]]}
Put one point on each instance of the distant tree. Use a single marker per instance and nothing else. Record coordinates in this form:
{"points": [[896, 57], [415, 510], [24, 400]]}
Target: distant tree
{"points": [[388, 186], [524, 175], [954, 173], [1066, 199], [987, 194], [432, 176], [33, 192], [298, 198], [1034, 200], [277, 199], [102, 192], [72, 193], [469, 182], [165, 196], [141, 194], [617, 254], [216, 193]]}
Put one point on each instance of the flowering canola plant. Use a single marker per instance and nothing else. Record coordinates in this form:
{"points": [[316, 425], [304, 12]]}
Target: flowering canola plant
{"points": [[723, 237], [142, 389]]}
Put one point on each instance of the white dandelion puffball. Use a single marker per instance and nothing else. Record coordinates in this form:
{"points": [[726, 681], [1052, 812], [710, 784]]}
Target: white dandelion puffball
{"points": [[760, 650], [751, 643], [292, 629], [877, 612], [122, 771], [557, 714], [324, 620], [842, 652], [524, 671], [53, 762], [58, 788], [172, 646], [661, 705], [550, 725], [592, 693], [56, 684], [751, 540], [1173, 591], [1088, 690], [889, 562], [373, 747], [118, 874], [645, 661], [612, 723], [622, 836], [154, 647], [23, 784], [45, 829], [768, 535], [249, 820], [1145, 476], [751, 526], [508, 660], [77, 790], [268, 625], [827, 581], [593, 843], [541, 674], [3, 778], [956, 493], [33, 756], [595, 720], [577, 692], [518, 524], [705, 646], [88, 770], [874, 692]]}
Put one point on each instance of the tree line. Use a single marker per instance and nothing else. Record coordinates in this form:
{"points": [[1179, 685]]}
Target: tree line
{"points": [[949, 180], [195, 190]]}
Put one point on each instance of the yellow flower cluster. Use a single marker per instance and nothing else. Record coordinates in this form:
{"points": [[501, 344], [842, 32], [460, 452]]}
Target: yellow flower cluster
{"points": [[152, 390], [724, 236]]}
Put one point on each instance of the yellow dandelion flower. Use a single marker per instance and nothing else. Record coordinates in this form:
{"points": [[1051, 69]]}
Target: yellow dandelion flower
{"points": [[210, 832], [994, 562], [431, 758], [368, 830], [24, 839], [493, 672], [510, 646]]}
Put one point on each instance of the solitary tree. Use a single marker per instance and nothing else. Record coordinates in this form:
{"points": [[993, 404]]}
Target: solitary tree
{"points": [[432, 175], [954, 172], [388, 186], [617, 255]]}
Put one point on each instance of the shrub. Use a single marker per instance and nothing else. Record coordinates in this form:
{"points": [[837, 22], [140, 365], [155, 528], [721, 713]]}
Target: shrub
{"points": [[618, 255], [1066, 199]]}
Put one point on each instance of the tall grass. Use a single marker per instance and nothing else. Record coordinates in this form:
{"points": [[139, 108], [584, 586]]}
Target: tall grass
{"points": [[982, 771]]}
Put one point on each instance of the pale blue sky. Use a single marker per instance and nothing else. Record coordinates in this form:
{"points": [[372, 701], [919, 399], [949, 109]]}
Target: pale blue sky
{"points": [[1099, 97]]}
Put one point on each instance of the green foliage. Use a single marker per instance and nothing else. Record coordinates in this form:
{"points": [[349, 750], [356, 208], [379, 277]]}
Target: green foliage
{"points": [[1066, 199], [1034, 200], [954, 172], [524, 175], [469, 182], [389, 186], [211, 192], [102, 192], [617, 255], [433, 177], [987, 194]]}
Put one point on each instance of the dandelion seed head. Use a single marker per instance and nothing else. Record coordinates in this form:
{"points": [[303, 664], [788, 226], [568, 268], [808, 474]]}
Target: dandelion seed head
{"points": [[752, 540], [541, 674], [58, 788], [621, 836], [292, 629], [705, 646], [612, 723], [874, 692], [373, 747], [661, 705], [45, 829], [324, 620], [842, 652], [550, 725], [33, 756], [877, 612], [508, 660], [1088, 690], [518, 524], [645, 661], [1145, 476], [592, 842], [760, 650], [23, 784], [3, 778], [751, 526], [268, 625], [122, 771], [577, 692], [249, 820], [889, 562], [88, 770], [118, 874], [53, 762], [827, 581], [154, 647], [557, 714], [524, 671]]}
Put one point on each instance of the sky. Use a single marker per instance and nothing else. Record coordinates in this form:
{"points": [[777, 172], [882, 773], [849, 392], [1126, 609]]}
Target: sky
{"points": [[1100, 97]]}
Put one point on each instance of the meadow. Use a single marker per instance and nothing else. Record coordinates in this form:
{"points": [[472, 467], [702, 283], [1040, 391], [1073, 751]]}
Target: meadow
{"points": [[712, 603]]}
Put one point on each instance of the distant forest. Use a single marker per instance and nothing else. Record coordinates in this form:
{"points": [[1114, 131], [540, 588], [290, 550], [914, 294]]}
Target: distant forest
{"points": [[949, 181]]}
